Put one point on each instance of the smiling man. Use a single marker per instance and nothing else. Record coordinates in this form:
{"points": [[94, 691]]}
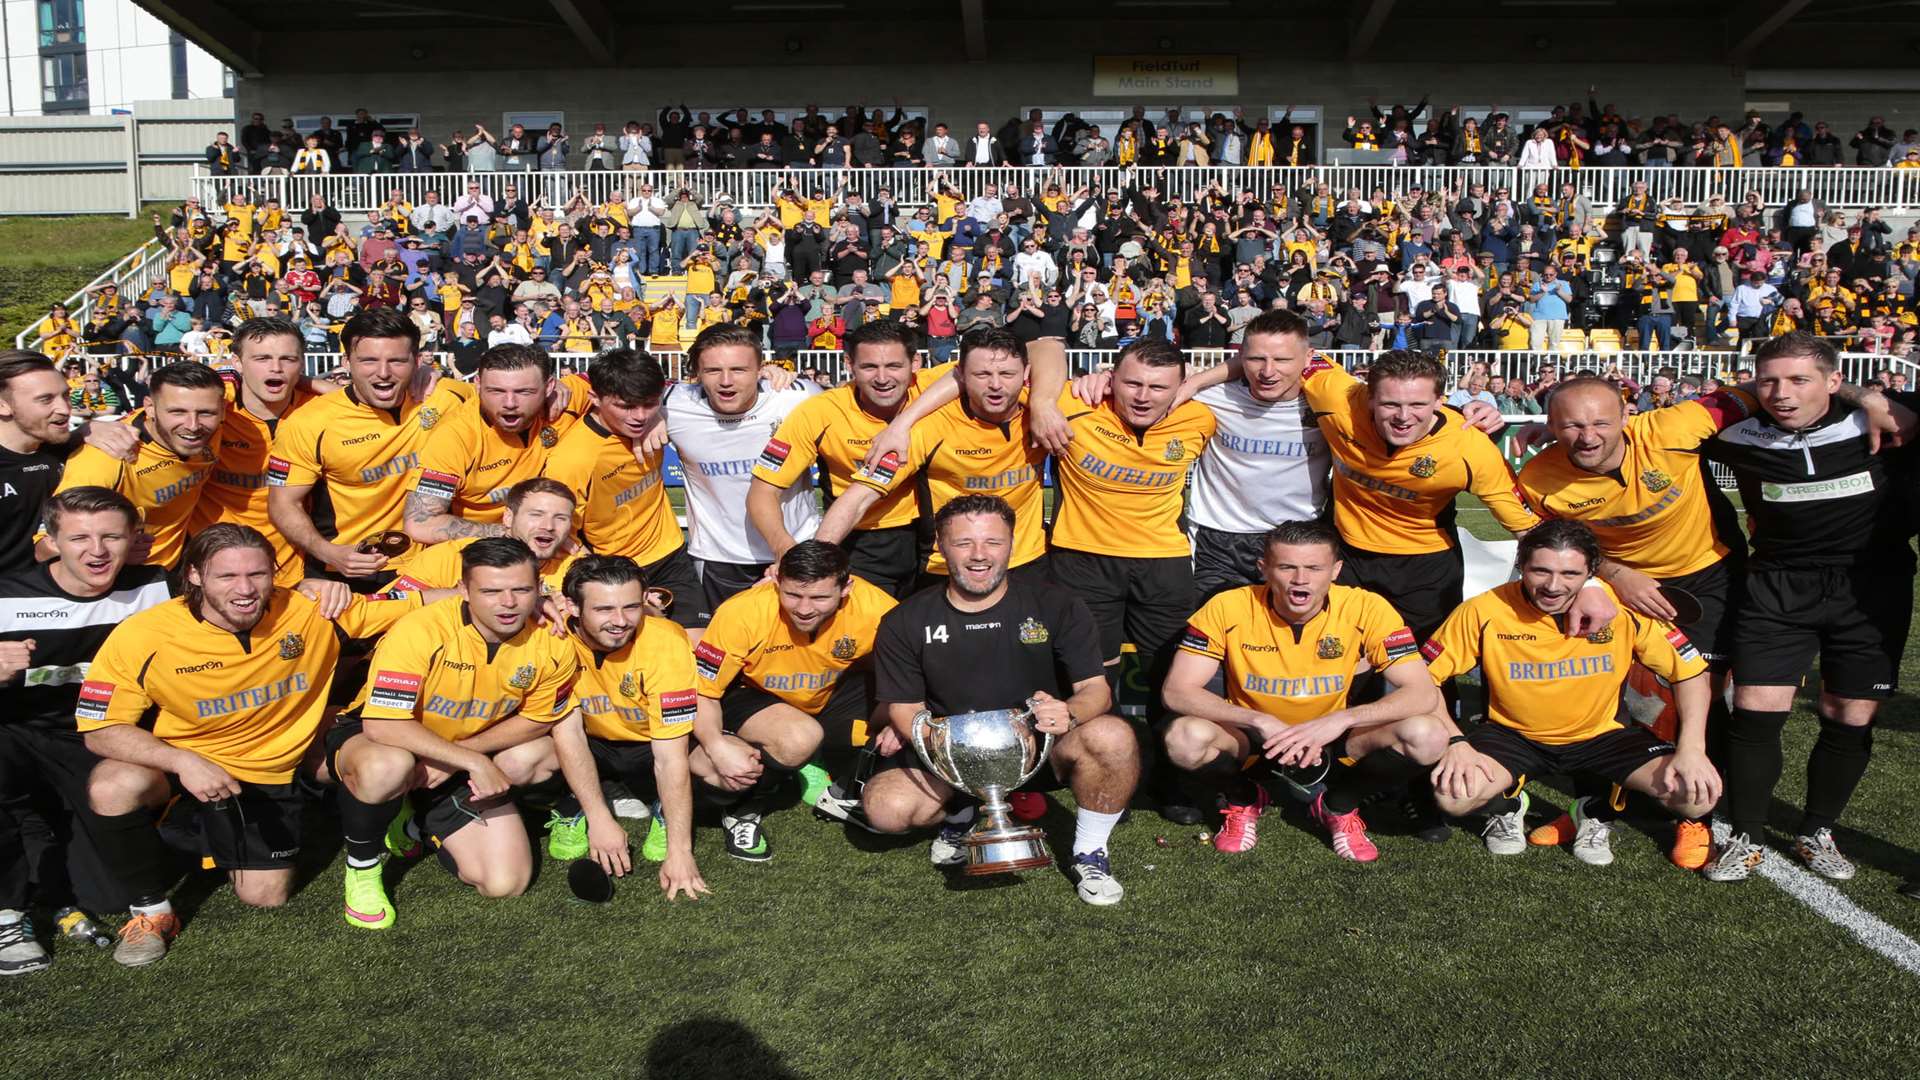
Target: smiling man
{"points": [[177, 431], [539, 514], [35, 443]]}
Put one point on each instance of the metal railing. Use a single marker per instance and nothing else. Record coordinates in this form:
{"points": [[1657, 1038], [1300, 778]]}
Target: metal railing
{"points": [[1846, 187], [1510, 364], [135, 271]]}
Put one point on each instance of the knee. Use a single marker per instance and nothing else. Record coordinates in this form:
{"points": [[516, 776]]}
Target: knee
{"points": [[1421, 738], [797, 741], [117, 787], [375, 773], [1107, 739], [262, 894], [1459, 807], [897, 808], [1189, 742], [501, 883]]}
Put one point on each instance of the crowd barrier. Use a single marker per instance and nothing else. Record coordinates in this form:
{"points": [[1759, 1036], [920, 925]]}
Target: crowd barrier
{"points": [[1845, 188]]}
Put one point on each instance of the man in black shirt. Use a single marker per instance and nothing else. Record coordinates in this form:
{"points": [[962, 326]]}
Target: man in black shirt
{"points": [[53, 618], [1831, 577], [988, 642], [34, 445]]}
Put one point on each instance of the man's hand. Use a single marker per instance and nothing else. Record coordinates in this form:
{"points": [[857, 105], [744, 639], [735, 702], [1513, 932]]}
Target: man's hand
{"points": [[485, 779], [117, 441], [1092, 388], [352, 561], [1048, 426], [1461, 770], [678, 874], [888, 742], [1300, 744], [1591, 610], [895, 439], [779, 378], [15, 657], [554, 612], [1641, 593], [608, 843], [425, 378], [1529, 436], [737, 763], [557, 400], [1692, 777], [1050, 714], [207, 781], [332, 597]]}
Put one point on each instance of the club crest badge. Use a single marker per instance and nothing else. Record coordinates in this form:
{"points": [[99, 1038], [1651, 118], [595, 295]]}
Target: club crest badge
{"points": [[1602, 636], [428, 418], [1424, 466], [629, 686], [1656, 481], [1034, 632], [845, 648], [1175, 450], [291, 647], [1331, 648], [522, 678], [548, 437]]}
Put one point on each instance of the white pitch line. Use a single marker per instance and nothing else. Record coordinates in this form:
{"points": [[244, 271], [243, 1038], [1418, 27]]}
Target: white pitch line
{"points": [[1832, 905]]}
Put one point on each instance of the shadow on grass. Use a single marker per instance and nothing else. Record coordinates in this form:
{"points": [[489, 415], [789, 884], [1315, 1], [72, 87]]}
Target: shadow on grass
{"points": [[713, 1048]]}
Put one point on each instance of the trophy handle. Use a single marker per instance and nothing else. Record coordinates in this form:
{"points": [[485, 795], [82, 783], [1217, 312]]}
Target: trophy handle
{"points": [[924, 723], [1046, 741]]}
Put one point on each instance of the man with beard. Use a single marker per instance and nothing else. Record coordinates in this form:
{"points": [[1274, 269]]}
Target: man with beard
{"points": [[539, 514], [616, 480], [216, 695], [485, 447], [455, 715], [341, 465], [989, 641], [176, 433], [836, 430], [35, 443]]}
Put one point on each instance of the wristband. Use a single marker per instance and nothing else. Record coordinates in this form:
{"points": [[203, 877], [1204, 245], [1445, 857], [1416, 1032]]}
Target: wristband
{"points": [[1456, 739]]}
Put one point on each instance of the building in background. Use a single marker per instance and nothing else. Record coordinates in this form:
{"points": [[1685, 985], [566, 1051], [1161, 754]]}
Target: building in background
{"points": [[96, 56]]}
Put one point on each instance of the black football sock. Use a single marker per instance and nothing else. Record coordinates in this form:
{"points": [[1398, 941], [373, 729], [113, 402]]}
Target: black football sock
{"points": [[132, 846], [567, 805], [1753, 768], [1599, 794], [1383, 770], [364, 827], [1224, 774], [1839, 759]]}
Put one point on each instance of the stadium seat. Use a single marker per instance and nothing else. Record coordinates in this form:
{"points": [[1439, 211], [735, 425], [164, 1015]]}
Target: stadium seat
{"points": [[1573, 341], [1603, 340]]}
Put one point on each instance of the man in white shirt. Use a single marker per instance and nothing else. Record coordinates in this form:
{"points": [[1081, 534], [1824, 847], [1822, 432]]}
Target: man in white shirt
{"points": [[502, 332], [1033, 266], [983, 148], [431, 214], [644, 212], [1464, 293], [720, 424], [942, 149], [986, 206], [473, 203]]}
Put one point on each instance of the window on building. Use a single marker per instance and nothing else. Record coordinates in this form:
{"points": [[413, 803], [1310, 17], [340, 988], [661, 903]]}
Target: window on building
{"points": [[63, 82], [63, 22], [177, 58], [226, 82]]}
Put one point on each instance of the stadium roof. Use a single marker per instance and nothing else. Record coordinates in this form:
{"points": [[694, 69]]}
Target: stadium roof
{"points": [[255, 36]]}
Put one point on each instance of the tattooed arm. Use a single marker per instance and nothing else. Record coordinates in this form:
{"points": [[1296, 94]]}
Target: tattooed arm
{"points": [[428, 521]]}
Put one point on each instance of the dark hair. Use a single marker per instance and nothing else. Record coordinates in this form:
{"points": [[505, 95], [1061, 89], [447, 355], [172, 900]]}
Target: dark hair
{"points": [[512, 357], [17, 362], [260, 329], [87, 500], [496, 552], [627, 375], [600, 570], [1560, 534], [1798, 343], [1300, 533], [538, 485], [1407, 364], [211, 541], [378, 323], [1280, 322], [882, 332], [814, 560], [991, 339], [187, 375], [969, 505], [1153, 352], [717, 335]]}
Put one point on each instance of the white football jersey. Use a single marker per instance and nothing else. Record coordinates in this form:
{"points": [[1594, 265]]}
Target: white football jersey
{"points": [[717, 454], [1267, 463]]}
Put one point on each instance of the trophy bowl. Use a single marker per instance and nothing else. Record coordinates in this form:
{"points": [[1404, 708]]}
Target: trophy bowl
{"points": [[988, 754]]}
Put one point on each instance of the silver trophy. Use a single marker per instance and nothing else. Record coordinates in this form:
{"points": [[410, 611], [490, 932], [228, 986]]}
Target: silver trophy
{"points": [[988, 754]]}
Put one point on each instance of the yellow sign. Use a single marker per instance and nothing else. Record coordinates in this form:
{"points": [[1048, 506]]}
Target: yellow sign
{"points": [[1159, 74]]}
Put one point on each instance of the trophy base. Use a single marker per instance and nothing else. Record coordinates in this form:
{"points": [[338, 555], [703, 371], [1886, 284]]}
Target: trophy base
{"points": [[1006, 851]]}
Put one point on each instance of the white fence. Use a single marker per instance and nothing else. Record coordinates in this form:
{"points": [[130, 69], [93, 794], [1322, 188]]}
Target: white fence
{"points": [[1839, 188], [135, 271]]}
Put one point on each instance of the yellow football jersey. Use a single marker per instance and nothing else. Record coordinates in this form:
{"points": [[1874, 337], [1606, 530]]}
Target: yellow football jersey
{"points": [[358, 459], [1399, 501], [623, 507], [1543, 684], [642, 692], [835, 430], [162, 485], [1121, 493], [250, 703], [236, 490], [1653, 514], [434, 667], [750, 638], [954, 453], [1297, 673]]}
